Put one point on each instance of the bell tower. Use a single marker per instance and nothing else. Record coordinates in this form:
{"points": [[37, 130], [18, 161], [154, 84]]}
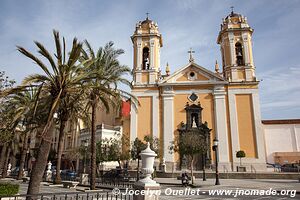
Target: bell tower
{"points": [[235, 39], [147, 42]]}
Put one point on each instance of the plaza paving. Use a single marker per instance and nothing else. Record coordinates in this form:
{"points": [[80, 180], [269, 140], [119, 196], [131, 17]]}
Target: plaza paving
{"points": [[204, 188]]}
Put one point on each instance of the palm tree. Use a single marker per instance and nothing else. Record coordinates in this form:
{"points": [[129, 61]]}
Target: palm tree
{"points": [[25, 103], [71, 109], [7, 131], [102, 88], [61, 77]]}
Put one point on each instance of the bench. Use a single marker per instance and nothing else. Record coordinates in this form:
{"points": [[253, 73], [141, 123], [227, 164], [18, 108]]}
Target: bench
{"points": [[70, 184], [180, 178]]}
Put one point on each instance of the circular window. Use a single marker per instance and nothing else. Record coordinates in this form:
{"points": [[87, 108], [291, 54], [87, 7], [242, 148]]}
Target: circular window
{"points": [[192, 76]]}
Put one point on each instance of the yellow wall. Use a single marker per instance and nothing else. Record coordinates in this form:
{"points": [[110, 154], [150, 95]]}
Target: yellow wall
{"points": [[227, 52], [241, 75], [200, 77], [241, 86], [246, 125], [145, 78], [144, 117]]}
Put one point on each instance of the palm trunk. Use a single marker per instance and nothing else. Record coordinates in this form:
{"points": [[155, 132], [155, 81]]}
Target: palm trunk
{"points": [[192, 171], [4, 172], [2, 158], [93, 148], [23, 156], [61, 140], [41, 160]]}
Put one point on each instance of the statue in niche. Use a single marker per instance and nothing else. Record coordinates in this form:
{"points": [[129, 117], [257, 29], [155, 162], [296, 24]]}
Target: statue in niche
{"points": [[194, 125], [145, 58]]}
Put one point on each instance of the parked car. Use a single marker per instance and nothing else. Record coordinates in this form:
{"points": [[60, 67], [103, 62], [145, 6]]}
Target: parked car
{"points": [[116, 175], [14, 171], [292, 167], [67, 174], [276, 167]]}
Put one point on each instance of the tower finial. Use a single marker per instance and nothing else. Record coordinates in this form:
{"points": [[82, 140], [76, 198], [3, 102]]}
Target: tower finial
{"points": [[217, 67], [147, 15], [232, 7], [191, 55], [168, 69]]}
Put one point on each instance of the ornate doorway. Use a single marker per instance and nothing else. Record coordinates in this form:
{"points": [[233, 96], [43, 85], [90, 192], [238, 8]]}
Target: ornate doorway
{"points": [[194, 125]]}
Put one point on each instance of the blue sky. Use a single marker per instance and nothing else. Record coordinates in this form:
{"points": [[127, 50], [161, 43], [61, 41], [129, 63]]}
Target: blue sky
{"points": [[183, 24]]}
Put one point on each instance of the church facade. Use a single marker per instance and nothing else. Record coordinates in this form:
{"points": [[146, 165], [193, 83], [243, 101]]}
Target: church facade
{"points": [[228, 97]]}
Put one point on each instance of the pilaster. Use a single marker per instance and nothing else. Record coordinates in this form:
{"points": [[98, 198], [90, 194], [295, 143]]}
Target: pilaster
{"points": [[155, 115], [133, 122], [232, 48], [221, 124], [168, 123], [139, 53], [246, 49], [152, 49]]}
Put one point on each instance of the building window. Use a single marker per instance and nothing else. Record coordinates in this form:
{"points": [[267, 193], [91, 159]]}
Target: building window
{"points": [[239, 54], [192, 76], [193, 97], [145, 58]]}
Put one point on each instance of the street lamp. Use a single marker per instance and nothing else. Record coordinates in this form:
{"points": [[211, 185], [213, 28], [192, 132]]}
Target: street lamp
{"points": [[86, 144], [215, 149], [203, 166]]}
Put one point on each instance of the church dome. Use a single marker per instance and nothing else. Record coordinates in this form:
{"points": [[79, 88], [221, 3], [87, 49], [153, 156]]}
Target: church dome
{"points": [[147, 21], [233, 14]]}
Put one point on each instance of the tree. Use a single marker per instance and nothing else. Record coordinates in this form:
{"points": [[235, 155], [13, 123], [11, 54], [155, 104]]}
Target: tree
{"points": [[108, 149], [25, 104], [154, 143], [5, 117], [70, 109], [240, 154], [61, 77], [190, 144], [106, 73], [136, 148]]}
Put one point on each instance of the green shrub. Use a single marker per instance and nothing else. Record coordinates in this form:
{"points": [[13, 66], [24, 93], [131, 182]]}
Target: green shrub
{"points": [[7, 189], [240, 154]]}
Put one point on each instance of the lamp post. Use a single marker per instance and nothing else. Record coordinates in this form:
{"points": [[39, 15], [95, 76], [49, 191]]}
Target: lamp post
{"points": [[86, 144], [204, 164], [215, 149]]}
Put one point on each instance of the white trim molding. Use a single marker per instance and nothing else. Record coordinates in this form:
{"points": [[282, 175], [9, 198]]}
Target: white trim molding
{"points": [[133, 122], [221, 124], [168, 125]]}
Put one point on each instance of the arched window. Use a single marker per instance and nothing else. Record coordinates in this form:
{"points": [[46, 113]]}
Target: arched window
{"points": [[145, 58], [239, 54]]}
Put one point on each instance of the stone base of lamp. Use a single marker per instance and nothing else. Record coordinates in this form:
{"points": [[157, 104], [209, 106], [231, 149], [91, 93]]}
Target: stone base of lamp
{"points": [[84, 179], [49, 175], [151, 189]]}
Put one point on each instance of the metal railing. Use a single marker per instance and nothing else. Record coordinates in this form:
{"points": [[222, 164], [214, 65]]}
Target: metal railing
{"points": [[225, 171], [71, 196], [253, 170], [115, 184]]}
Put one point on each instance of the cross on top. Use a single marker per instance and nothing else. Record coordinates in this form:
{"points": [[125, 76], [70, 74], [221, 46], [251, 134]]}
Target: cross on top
{"points": [[191, 55], [232, 7], [147, 14]]}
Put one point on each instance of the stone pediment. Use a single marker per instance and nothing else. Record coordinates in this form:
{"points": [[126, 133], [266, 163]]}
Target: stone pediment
{"points": [[193, 74]]}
